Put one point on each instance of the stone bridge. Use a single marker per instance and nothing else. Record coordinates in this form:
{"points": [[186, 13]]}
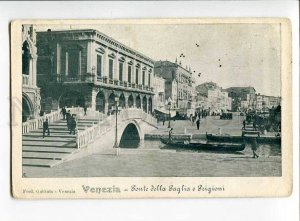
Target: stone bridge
{"points": [[95, 133]]}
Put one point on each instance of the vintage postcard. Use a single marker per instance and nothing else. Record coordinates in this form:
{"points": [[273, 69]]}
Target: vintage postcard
{"points": [[151, 108]]}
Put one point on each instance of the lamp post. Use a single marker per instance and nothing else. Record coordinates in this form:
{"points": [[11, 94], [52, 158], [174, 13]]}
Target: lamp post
{"points": [[116, 146], [169, 106]]}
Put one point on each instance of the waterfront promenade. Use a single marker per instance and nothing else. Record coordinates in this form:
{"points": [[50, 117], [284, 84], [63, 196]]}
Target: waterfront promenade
{"points": [[151, 159]]}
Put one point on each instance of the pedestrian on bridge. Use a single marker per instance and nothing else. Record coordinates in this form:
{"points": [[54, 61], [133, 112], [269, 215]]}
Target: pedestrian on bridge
{"points": [[85, 109], [63, 112], [72, 125], [46, 128], [68, 117], [170, 135], [244, 124]]}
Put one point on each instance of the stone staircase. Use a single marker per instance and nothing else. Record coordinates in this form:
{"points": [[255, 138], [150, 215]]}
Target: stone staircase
{"points": [[54, 149]]}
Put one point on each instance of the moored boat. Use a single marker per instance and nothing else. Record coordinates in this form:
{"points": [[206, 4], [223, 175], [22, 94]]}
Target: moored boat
{"points": [[241, 139], [202, 145]]}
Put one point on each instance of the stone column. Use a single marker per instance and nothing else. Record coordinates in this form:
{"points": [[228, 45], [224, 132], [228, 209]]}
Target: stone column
{"points": [[126, 100], [58, 60]]}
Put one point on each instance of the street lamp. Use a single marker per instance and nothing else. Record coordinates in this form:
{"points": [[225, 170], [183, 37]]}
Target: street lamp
{"points": [[116, 146], [169, 106]]}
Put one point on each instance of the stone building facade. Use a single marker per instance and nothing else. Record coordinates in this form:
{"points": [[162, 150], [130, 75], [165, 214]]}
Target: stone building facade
{"points": [[179, 84], [159, 90], [212, 98], [243, 98], [30, 92], [89, 68]]}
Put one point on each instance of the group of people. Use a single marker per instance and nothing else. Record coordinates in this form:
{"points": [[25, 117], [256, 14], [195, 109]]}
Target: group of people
{"points": [[71, 121]]}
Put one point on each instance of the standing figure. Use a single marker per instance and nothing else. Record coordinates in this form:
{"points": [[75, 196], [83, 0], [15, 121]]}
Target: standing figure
{"points": [[46, 128], [254, 147], [170, 135], [63, 112], [198, 123], [244, 124], [68, 117], [72, 125], [85, 109]]}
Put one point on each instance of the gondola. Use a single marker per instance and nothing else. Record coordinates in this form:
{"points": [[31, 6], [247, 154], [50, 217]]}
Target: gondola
{"points": [[206, 146], [241, 139]]}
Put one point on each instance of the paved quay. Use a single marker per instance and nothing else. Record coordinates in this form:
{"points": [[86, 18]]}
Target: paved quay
{"points": [[163, 163]]}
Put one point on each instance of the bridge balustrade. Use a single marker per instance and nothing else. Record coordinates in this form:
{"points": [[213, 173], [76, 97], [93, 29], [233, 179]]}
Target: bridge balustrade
{"points": [[88, 136]]}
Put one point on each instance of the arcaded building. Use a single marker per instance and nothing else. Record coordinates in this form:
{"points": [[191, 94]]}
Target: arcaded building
{"points": [[89, 68], [30, 92]]}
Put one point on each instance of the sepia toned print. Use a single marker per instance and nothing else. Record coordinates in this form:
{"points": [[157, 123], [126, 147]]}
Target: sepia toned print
{"points": [[151, 108]]}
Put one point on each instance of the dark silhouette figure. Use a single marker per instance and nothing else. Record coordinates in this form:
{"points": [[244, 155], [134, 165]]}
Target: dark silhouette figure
{"points": [[68, 117], [72, 125], [85, 109], [254, 146], [63, 112], [46, 128], [198, 124], [244, 124]]}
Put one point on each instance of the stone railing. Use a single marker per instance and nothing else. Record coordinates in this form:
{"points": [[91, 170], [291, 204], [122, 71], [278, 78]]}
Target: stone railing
{"points": [[88, 136], [35, 124]]}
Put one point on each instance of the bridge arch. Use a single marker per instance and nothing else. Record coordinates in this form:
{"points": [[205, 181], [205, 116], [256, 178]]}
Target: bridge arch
{"points": [[131, 135]]}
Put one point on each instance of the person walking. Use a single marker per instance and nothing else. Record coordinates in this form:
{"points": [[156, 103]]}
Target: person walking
{"points": [[198, 123], [254, 146], [244, 124], [68, 117], [72, 125], [46, 128], [63, 112], [85, 109]]}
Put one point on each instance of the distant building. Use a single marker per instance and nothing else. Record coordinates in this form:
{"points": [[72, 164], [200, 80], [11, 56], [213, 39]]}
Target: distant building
{"points": [[30, 93], [212, 98], [159, 90], [264, 103], [179, 84], [89, 68], [242, 97]]}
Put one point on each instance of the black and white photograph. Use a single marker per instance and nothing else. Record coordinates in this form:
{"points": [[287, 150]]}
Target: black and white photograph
{"points": [[153, 99]]}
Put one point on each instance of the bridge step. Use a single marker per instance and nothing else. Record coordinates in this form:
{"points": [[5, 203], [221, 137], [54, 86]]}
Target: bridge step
{"points": [[40, 162], [44, 155], [49, 149]]}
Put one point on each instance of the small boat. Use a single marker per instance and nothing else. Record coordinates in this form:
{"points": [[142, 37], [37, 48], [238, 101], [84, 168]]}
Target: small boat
{"points": [[207, 146], [241, 139]]}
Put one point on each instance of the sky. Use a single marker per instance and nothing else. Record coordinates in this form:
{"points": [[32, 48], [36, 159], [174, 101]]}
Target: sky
{"points": [[231, 55]]}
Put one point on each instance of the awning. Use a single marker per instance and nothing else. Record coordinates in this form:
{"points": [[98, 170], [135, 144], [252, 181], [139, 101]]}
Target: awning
{"points": [[166, 112]]}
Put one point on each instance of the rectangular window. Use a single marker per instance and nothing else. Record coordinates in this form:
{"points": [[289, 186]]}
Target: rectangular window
{"points": [[99, 65], [137, 76], [111, 68], [129, 74], [120, 71], [149, 81], [143, 78]]}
